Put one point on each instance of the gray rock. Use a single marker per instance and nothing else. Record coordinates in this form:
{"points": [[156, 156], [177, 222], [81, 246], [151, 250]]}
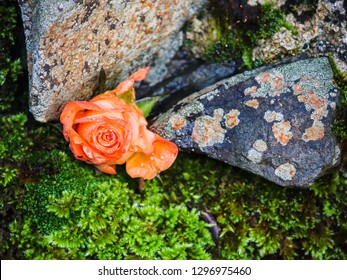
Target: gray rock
{"points": [[321, 31], [183, 83], [273, 122], [191, 80], [70, 41]]}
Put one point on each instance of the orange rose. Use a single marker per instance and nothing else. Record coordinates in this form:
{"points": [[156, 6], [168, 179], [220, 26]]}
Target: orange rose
{"points": [[107, 131]]}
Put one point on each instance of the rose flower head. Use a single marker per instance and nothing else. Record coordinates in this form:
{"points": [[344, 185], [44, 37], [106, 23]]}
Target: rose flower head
{"points": [[110, 129]]}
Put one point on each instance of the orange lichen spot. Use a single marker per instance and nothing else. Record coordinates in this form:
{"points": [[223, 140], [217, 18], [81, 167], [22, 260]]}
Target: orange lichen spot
{"points": [[282, 132], [250, 90], [177, 122], [207, 130], [315, 101], [302, 98], [297, 88], [317, 115], [315, 132], [252, 103], [286, 171], [231, 119], [264, 77], [277, 82]]}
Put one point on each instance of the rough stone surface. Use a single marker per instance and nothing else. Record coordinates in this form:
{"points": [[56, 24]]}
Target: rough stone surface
{"points": [[320, 34], [273, 122], [70, 41]]}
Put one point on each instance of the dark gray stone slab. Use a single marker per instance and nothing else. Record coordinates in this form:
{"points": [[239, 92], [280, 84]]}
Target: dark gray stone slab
{"points": [[273, 122]]}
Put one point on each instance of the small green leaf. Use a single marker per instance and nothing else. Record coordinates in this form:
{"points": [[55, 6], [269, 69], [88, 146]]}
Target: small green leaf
{"points": [[146, 104], [128, 96]]}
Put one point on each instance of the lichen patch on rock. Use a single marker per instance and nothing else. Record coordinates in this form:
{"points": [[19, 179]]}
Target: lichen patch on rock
{"points": [[177, 122], [208, 131], [251, 91], [286, 171], [252, 103], [254, 156], [232, 118], [281, 131], [315, 132], [260, 145], [271, 116], [271, 84]]}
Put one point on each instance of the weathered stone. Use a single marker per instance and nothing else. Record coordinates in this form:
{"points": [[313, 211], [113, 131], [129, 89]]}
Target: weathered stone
{"points": [[183, 83], [320, 32], [273, 122], [190, 80], [69, 42]]}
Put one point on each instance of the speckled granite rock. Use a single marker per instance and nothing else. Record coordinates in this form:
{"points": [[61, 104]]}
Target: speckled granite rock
{"points": [[273, 122], [69, 41]]}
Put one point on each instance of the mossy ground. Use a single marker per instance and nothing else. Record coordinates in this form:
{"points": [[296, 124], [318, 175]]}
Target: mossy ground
{"points": [[54, 207]]}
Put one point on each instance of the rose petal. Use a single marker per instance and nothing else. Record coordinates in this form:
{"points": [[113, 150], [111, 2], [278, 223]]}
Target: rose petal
{"points": [[87, 132], [129, 83], [124, 157], [114, 147], [165, 153], [106, 168], [69, 112], [134, 122], [123, 87], [141, 166], [98, 117], [140, 74], [145, 141], [109, 101], [78, 151]]}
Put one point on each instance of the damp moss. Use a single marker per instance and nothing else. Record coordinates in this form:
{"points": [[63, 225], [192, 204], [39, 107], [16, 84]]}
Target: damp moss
{"points": [[236, 41], [10, 67], [259, 219], [96, 216], [71, 211], [340, 125]]}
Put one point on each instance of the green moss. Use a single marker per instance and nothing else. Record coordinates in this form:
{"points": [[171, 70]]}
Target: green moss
{"points": [[236, 41], [259, 219], [13, 142], [71, 206], [9, 68], [339, 127], [302, 9], [68, 210]]}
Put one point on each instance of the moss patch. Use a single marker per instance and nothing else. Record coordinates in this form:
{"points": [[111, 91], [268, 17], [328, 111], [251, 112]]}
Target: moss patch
{"points": [[75, 212], [236, 40], [340, 125]]}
